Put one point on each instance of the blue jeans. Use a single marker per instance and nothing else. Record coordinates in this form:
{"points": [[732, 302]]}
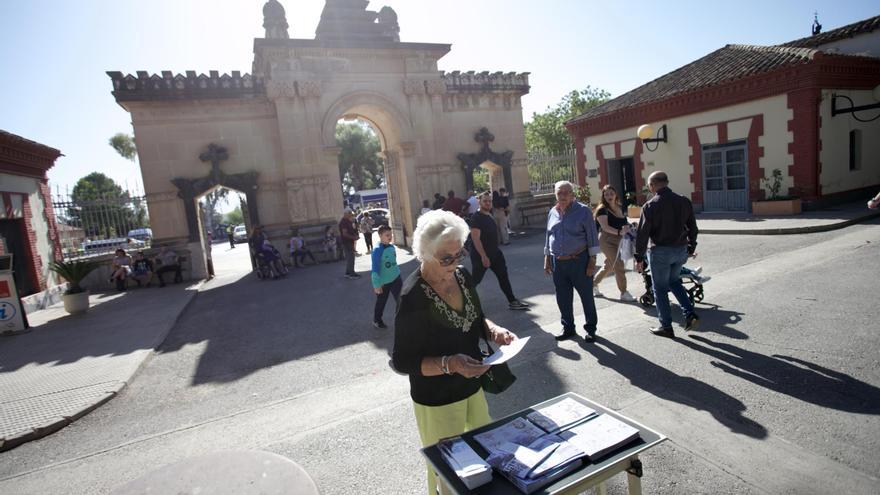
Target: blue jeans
{"points": [[570, 275], [665, 263]]}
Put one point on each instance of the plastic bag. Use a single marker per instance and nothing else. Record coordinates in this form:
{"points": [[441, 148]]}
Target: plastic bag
{"points": [[627, 248]]}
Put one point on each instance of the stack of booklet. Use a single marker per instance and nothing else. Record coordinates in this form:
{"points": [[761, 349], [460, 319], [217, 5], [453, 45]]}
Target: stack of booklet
{"points": [[551, 442], [468, 466]]}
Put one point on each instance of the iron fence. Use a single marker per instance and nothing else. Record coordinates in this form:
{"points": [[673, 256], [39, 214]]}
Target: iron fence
{"points": [[546, 169], [93, 223]]}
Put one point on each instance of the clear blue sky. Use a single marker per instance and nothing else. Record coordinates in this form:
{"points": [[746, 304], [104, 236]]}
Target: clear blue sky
{"points": [[55, 53]]}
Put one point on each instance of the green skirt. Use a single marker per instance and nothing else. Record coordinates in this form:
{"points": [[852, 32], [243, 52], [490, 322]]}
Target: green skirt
{"points": [[436, 422]]}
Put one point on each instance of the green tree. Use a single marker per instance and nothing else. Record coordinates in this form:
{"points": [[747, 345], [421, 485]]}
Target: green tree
{"points": [[546, 131], [102, 208], [359, 165], [124, 145], [235, 217]]}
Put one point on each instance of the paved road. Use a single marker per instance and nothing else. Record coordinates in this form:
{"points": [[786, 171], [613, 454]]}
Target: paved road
{"points": [[776, 394]]}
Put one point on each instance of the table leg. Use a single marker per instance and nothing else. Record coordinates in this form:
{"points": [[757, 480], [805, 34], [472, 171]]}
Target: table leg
{"points": [[634, 477]]}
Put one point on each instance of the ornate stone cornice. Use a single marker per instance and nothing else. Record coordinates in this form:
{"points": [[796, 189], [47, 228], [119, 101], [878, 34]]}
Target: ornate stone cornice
{"points": [[311, 180], [146, 87], [484, 82], [281, 89]]}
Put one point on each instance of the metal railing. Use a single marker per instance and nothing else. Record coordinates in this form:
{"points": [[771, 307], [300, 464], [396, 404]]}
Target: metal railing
{"points": [[94, 223], [546, 169]]}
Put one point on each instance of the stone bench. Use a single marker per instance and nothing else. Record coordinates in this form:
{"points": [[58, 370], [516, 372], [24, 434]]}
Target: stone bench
{"points": [[313, 240]]}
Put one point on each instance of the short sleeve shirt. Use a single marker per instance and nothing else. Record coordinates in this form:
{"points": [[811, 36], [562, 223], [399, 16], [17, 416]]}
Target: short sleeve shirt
{"points": [[488, 232]]}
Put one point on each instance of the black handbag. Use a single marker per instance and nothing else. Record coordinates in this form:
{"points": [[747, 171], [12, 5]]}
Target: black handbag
{"points": [[499, 377]]}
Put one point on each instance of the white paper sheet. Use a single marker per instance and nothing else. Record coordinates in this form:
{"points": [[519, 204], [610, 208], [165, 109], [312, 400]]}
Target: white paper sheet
{"points": [[505, 352]]}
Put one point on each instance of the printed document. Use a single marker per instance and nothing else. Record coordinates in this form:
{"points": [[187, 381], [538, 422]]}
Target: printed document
{"points": [[505, 352]]}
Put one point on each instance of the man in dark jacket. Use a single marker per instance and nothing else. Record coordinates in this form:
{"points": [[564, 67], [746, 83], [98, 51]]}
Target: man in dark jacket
{"points": [[668, 222]]}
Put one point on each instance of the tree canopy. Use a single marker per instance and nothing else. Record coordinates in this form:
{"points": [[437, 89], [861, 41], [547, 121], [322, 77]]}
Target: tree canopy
{"points": [[102, 208], [547, 133], [124, 145], [359, 165]]}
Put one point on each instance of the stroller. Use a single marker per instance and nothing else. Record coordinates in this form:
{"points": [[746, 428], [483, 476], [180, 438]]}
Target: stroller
{"points": [[691, 281]]}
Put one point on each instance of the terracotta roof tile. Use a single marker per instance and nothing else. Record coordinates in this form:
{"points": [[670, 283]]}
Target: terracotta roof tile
{"points": [[848, 31], [726, 64]]}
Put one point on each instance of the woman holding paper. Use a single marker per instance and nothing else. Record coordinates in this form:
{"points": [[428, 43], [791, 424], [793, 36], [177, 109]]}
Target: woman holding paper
{"points": [[437, 331]]}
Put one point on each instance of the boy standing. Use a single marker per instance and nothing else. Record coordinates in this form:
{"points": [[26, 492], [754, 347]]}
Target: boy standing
{"points": [[385, 275]]}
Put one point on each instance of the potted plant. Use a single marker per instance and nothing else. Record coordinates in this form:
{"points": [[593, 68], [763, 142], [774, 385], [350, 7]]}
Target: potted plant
{"points": [[583, 194], [633, 210], [776, 204], [76, 299]]}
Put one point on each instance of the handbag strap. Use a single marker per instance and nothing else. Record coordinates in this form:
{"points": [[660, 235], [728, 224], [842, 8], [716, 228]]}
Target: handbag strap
{"points": [[485, 336]]}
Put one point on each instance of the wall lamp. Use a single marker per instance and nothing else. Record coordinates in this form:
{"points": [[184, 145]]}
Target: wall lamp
{"points": [[646, 131], [852, 108]]}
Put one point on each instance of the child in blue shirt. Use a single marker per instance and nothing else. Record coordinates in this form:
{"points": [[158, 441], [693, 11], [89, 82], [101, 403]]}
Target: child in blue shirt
{"points": [[385, 274]]}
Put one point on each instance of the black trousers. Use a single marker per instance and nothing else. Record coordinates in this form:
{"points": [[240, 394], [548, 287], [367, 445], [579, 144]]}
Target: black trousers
{"points": [[368, 239], [498, 266], [231, 240], [392, 287], [169, 268]]}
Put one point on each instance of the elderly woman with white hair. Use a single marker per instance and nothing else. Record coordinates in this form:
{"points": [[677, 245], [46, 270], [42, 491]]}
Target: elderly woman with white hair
{"points": [[438, 327]]}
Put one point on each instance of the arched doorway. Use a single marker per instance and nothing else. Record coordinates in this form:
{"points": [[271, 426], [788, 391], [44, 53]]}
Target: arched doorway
{"points": [[192, 190], [385, 119]]}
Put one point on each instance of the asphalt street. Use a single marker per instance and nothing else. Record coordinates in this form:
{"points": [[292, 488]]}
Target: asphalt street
{"points": [[777, 392]]}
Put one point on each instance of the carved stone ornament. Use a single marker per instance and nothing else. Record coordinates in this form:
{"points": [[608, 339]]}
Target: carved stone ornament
{"points": [[281, 89], [436, 86], [413, 87], [274, 20], [471, 161], [190, 189], [309, 89]]}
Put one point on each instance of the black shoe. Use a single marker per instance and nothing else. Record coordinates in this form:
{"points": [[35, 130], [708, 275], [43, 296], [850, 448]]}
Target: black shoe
{"points": [[663, 332], [591, 334], [568, 334], [379, 324], [517, 305], [691, 322]]}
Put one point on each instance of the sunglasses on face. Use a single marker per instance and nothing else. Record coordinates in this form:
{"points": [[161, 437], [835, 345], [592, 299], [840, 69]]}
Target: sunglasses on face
{"points": [[452, 258]]}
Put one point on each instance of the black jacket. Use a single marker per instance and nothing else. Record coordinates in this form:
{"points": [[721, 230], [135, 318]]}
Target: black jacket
{"points": [[667, 220]]}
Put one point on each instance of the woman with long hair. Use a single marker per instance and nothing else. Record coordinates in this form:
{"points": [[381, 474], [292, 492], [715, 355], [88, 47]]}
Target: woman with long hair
{"points": [[613, 225]]}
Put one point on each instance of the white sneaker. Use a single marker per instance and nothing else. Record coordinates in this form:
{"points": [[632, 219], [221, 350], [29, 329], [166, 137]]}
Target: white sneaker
{"points": [[698, 270], [625, 296], [596, 292], [703, 280]]}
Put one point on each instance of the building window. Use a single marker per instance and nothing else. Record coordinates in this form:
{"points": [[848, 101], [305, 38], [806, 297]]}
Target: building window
{"points": [[855, 149]]}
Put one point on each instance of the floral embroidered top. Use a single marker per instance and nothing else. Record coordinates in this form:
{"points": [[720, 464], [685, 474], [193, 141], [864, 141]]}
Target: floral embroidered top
{"points": [[425, 325]]}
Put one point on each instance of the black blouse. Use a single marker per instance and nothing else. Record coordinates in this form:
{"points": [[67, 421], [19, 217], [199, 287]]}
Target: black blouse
{"points": [[614, 221], [426, 326]]}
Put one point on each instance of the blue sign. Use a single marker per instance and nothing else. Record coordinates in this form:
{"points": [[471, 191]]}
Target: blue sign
{"points": [[7, 311]]}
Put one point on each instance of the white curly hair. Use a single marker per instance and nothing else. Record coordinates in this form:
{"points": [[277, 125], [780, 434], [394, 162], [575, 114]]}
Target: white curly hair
{"points": [[433, 229]]}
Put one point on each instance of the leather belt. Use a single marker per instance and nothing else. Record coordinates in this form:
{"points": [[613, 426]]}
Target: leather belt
{"points": [[571, 256]]}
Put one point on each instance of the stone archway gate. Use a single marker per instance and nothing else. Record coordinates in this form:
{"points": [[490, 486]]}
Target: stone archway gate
{"points": [[278, 125]]}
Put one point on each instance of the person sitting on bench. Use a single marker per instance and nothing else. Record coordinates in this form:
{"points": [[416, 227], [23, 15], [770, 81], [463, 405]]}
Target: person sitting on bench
{"points": [[168, 262]]}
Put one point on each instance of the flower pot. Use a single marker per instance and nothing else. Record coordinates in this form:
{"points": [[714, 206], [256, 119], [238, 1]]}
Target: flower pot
{"points": [[777, 207], [76, 304], [634, 211]]}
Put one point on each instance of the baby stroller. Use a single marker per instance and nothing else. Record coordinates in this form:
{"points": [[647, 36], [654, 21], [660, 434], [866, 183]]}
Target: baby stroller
{"points": [[689, 280]]}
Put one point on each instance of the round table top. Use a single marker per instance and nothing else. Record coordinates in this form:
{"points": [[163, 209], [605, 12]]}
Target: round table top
{"points": [[239, 472]]}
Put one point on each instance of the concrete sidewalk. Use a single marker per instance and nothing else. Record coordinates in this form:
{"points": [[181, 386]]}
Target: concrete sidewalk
{"points": [[832, 218], [67, 366]]}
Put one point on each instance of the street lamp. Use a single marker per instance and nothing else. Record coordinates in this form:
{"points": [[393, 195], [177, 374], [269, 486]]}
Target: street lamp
{"points": [[853, 109], [646, 131]]}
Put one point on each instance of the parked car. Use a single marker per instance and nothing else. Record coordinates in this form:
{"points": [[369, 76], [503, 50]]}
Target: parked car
{"points": [[144, 234], [103, 246], [239, 234], [379, 215]]}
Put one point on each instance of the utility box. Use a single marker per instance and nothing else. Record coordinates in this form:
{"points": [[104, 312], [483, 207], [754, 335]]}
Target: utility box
{"points": [[12, 317]]}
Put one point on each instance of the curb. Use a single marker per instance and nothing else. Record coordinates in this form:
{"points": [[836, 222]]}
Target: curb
{"points": [[809, 229], [49, 428]]}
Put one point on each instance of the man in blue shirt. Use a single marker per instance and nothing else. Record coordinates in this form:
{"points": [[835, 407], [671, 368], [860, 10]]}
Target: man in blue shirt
{"points": [[570, 250]]}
